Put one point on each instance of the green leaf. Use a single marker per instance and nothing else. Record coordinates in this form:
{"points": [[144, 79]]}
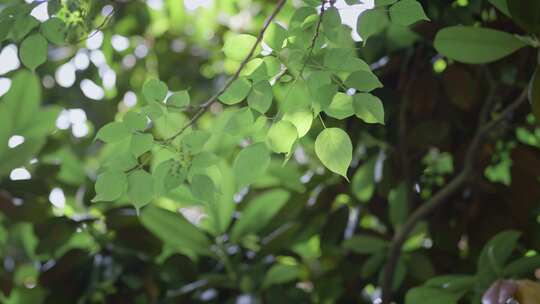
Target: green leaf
{"points": [[251, 163], [155, 90], [281, 136], [331, 23], [175, 231], [522, 267], [140, 188], [526, 13], [260, 97], [54, 29], [407, 12], [154, 111], [364, 81], [453, 283], [167, 176], [239, 122], [22, 100], [495, 253], [169, 124], [363, 182], [430, 295], [372, 265], [365, 244], [196, 140], [255, 70], [237, 47], [203, 188], [135, 121], [334, 148], [371, 22], [380, 3], [113, 132], [420, 267], [275, 36], [398, 205], [258, 213], [280, 274], [322, 97], [301, 119], [236, 92], [110, 186], [501, 5], [141, 143], [341, 106], [179, 99], [534, 94], [369, 108], [343, 60], [118, 155], [475, 45], [33, 51], [23, 26]]}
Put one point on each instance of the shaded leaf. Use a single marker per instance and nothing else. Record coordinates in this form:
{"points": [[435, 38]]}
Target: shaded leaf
{"points": [[474, 44], [258, 213], [365, 244]]}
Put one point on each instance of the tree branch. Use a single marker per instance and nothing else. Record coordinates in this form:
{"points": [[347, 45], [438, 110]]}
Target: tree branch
{"points": [[206, 105], [442, 195]]}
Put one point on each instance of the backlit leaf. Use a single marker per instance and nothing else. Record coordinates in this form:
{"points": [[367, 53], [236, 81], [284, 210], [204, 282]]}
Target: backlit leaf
{"points": [[237, 47], [302, 120], [282, 136], [334, 148], [369, 108], [341, 106], [275, 36]]}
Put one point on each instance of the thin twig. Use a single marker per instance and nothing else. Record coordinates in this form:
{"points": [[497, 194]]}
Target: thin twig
{"points": [[442, 195], [206, 105], [101, 26]]}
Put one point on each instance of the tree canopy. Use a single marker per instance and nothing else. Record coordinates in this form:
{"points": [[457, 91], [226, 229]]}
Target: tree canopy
{"points": [[251, 151]]}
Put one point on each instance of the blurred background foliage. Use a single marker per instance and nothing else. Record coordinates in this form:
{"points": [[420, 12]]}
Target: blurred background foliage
{"points": [[59, 247]]}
